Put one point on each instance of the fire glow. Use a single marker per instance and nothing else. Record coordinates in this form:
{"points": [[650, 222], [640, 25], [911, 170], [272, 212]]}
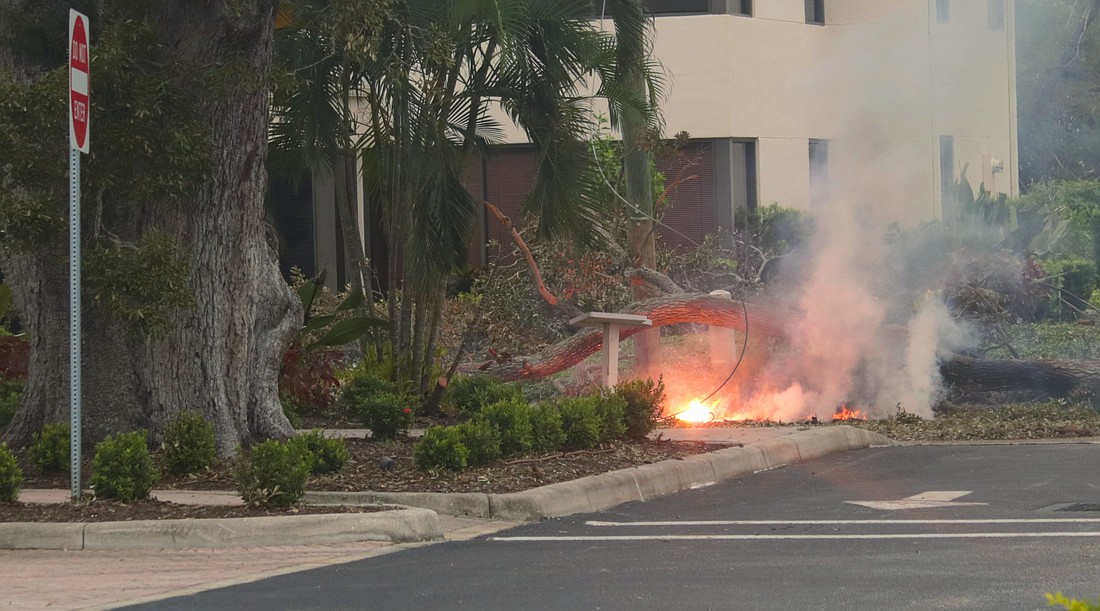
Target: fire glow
{"points": [[696, 413], [843, 413]]}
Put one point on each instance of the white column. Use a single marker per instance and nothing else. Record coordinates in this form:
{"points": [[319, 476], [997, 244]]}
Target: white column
{"points": [[722, 341], [609, 368]]}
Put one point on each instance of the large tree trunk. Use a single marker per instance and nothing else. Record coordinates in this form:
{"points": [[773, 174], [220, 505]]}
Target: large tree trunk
{"points": [[222, 355], [1052, 378]]}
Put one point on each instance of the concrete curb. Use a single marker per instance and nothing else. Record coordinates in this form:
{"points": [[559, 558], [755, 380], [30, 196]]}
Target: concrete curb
{"points": [[396, 526], [599, 492]]}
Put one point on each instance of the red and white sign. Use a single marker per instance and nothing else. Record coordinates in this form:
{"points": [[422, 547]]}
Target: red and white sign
{"points": [[79, 103]]}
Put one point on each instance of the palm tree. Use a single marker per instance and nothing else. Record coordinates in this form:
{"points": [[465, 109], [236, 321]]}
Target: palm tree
{"points": [[426, 84]]}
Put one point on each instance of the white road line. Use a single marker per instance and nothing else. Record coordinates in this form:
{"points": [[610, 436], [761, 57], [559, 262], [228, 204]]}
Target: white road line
{"points": [[847, 522], [1031, 535]]}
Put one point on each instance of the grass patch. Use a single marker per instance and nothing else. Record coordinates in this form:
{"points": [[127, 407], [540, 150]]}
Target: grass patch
{"points": [[1057, 419]]}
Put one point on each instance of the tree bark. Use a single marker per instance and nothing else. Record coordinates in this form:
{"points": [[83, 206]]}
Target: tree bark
{"points": [[221, 356], [1051, 378]]}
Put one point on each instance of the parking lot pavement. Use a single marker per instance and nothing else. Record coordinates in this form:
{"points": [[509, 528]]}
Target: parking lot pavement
{"points": [[97, 579]]}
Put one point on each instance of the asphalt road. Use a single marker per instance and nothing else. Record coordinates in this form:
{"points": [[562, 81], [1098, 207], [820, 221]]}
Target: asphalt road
{"points": [[942, 527]]}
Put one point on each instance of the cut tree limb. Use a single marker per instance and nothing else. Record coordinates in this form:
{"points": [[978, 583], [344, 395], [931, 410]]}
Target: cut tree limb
{"points": [[522, 245]]}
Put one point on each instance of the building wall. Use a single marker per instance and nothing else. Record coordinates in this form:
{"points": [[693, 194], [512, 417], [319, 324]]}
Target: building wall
{"points": [[882, 81]]}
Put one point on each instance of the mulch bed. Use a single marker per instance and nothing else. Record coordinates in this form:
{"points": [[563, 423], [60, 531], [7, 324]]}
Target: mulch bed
{"points": [[363, 470], [109, 511]]}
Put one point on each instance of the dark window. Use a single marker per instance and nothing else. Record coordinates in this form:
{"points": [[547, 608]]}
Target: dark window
{"points": [[997, 15], [741, 7], [943, 11], [292, 210], [675, 7], [815, 12], [947, 178], [819, 173]]}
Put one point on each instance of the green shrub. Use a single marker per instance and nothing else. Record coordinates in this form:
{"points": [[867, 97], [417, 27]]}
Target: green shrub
{"points": [[189, 445], [49, 449], [272, 474], [441, 448], [611, 409], [482, 440], [580, 423], [11, 391], [644, 404], [513, 419], [546, 429], [467, 395], [11, 476], [386, 414], [122, 468], [325, 455]]}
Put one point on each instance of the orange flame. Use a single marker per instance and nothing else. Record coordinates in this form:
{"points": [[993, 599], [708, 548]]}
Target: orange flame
{"points": [[696, 412], [843, 413]]}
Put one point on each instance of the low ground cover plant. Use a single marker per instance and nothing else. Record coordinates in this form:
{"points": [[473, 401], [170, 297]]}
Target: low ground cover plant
{"points": [[515, 428], [122, 468], [644, 404], [189, 445], [325, 455], [11, 476], [49, 449], [467, 395], [442, 447], [11, 391], [272, 474], [386, 413]]}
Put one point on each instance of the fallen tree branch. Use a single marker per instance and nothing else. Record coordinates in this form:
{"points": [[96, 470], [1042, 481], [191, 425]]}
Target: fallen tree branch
{"points": [[522, 245], [657, 279]]}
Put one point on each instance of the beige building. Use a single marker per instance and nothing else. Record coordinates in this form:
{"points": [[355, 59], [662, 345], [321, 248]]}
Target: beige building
{"points": [[810, 103]]}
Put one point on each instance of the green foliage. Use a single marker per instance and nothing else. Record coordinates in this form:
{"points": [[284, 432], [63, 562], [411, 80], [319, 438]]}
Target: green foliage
{"points": [[611, 409], [644, 404], [331, 326], [11, 476], [272, 474], [546, 429], [441, 448], [11, 392], [581, 422], [783, 229], [142, 283], [467, 395], [122, 468], [291, 411], [131, 271], [513, 419], [1071, 604], [326, 455], [482, 439], [189, 445], [49, 450], [385, 412]]}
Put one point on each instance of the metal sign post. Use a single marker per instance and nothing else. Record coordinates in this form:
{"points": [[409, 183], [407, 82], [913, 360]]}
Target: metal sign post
{"points": [[79, 111]]}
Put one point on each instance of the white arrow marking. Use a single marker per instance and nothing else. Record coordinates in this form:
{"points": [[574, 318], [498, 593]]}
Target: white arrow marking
{"points": [[924, 500]]}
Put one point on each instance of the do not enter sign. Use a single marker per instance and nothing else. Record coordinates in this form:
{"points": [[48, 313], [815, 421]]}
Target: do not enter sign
{"points": [[78, 81]]}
